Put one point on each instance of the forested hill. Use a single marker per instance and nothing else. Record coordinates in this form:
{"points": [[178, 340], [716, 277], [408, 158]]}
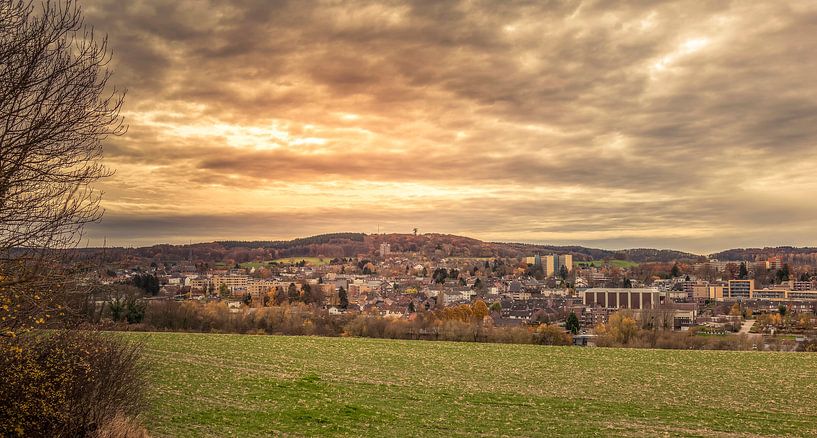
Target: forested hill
{"points": [[354, 244], [299, 242], [805, 255]]}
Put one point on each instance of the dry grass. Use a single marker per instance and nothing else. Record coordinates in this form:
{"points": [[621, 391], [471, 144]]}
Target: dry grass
{"points": [[122, 426]]}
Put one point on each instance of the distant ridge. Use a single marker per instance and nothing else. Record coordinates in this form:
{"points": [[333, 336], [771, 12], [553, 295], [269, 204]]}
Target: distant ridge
{"points": [[435, 245], [752, 254], [432, 245], [317, 239]]}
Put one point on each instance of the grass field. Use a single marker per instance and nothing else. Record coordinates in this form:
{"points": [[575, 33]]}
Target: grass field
{"points": [[614, 263], [313, 261], [212, 385]]}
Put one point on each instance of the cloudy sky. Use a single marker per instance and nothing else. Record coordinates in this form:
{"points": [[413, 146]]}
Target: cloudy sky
{"points": [[688, 125]]}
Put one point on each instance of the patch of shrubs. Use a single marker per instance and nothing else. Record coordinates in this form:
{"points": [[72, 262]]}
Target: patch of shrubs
{"points": [[70, 383]]}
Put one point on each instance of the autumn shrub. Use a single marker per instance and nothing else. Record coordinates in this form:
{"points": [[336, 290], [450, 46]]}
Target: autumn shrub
{"points": [[511, 335], [809, 346], [367, 326], [551, 334], [619, 330], [216, 317], [70, 383]]}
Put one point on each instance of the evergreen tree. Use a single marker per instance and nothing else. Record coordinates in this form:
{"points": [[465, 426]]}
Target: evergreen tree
{"points": [[563, 272], [117, 308], [783, 274], [572, 323], [134, 311], [676, 271], [627, 283], [343, 297], [292, 293]]}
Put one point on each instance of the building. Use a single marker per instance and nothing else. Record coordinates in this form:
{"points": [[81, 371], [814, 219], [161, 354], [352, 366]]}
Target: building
{"points": [[623, 298], [258, 287], [385, 249], [802, 285], [549, 265], [565, 260], [590, 316], [234, 283], [197, 284], [690, 288], [740, 289], [700, 292], [716, 292]]}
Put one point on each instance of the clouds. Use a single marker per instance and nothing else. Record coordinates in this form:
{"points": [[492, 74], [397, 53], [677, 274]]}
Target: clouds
{"points": [[373, 110]]}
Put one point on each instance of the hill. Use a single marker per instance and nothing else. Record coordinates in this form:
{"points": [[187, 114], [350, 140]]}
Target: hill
{"points": [[805, 255], [353, 244], [243, 385]]}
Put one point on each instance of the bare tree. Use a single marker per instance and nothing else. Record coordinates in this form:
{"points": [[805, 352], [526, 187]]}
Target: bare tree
{"points": [[55, 110]]}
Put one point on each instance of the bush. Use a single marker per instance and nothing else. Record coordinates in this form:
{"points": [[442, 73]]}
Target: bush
{"points": [[68, 383], [550, 334], [809, 346]]}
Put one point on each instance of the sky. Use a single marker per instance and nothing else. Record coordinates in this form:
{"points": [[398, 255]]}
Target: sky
{"points": [[687, 125]]}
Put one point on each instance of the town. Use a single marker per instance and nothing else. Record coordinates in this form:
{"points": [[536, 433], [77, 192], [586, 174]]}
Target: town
{"points": [[771, 300]]}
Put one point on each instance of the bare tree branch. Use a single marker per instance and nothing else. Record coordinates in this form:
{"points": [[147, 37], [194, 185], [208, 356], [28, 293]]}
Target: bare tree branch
{"points": [[55, 111]]}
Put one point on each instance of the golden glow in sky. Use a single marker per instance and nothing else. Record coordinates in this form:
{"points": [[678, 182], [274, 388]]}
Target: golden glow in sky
{"points": [[682, 124]]}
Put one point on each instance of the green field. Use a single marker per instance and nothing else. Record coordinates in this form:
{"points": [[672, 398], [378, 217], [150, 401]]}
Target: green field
{"points": [[312, 261], [242, 385], [614, 263]]}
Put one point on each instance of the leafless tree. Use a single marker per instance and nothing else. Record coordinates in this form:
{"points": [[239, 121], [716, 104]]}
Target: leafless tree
{"points": [[56, 109]]}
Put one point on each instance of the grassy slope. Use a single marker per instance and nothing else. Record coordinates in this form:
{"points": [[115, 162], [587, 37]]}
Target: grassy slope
{"points": [[312, 261], [239, 385], [614, 263]]}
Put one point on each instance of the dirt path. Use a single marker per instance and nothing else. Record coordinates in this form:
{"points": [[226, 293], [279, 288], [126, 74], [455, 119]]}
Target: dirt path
{"points": [[746, 326]]}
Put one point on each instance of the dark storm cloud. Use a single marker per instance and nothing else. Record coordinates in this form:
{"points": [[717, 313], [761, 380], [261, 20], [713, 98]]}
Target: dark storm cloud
{"points": [[707, 104]]}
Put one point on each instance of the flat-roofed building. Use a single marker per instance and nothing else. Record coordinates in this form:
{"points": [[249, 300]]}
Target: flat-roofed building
{"points": [[700, 292], [769, 294], [234, 283], [565, 260], [775, 262], [549, 263], [258, 287], [197, 283], [802, 285], [623, 298], [691, 286], [741, 289], [802, 295], [716, 292]]}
